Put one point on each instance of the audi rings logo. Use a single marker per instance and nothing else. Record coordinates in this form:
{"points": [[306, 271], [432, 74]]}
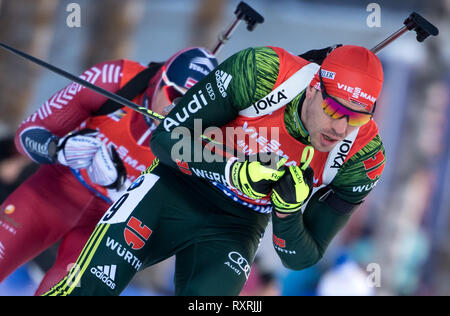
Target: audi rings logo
{"points": [[210, 91], [240, 261]]}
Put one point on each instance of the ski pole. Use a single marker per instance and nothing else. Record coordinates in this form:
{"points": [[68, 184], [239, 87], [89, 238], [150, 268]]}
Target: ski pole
{"points": [[87, 84], [245, 13], [416, 22]]}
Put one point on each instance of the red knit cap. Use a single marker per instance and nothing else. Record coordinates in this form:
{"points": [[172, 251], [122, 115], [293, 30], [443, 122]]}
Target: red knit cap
{"points": [[352, 73]]}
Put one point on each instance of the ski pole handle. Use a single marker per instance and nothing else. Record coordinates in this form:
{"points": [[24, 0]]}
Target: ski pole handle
{"points": [[416, 22], [245, 13]]}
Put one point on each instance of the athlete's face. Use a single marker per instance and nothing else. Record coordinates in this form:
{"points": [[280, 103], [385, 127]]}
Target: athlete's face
{"points": [[325, 132]]}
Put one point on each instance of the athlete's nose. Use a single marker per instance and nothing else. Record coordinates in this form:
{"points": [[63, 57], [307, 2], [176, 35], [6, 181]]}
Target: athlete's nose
{"points": [[339, 126]]}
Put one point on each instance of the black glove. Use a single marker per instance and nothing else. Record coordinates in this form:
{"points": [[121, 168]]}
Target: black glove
{"points": [[318, 55]]}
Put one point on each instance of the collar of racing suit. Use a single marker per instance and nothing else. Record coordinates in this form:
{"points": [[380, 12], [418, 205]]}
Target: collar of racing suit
{"points": [[293, 122]]}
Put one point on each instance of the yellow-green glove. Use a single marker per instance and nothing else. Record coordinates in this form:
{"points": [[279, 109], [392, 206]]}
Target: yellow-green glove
{"points": [[295, 186], [255, 177]]}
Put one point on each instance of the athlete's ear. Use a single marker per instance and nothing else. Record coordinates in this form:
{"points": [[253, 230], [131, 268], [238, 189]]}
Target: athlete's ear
{"points": [[310, 92]]}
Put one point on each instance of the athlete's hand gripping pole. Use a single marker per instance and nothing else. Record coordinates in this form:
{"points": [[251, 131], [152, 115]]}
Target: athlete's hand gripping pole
{"points": [[83, 150], [77, 150], [256, 175], [107, 169], [294, 188]]}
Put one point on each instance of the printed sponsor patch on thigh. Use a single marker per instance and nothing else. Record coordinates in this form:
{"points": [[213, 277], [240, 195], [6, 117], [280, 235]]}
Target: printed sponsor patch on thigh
{"points": [[238, 264], [124, 206]]}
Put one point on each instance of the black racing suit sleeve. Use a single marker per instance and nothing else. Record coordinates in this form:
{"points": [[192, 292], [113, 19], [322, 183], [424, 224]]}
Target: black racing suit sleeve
{"points": [[301, 240]]}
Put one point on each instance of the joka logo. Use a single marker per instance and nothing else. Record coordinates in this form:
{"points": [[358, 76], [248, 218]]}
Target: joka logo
{"points": [[223, 80], [270, 100], [340, 157], [137, 235], [107, 274]]}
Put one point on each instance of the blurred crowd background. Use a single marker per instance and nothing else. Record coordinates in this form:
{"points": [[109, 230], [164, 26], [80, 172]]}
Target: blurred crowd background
{"points": [[396, 243]]}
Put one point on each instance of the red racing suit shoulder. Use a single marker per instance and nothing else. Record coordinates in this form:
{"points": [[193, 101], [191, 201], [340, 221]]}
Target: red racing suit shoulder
{"points": [[73, 104]]}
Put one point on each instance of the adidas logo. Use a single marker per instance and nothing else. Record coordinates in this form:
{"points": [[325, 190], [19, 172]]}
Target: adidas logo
{"points": [[223, 80], [106, 273]]}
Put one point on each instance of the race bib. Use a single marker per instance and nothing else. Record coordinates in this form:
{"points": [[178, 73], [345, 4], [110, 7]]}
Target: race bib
{"points": [[124, 206]]}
